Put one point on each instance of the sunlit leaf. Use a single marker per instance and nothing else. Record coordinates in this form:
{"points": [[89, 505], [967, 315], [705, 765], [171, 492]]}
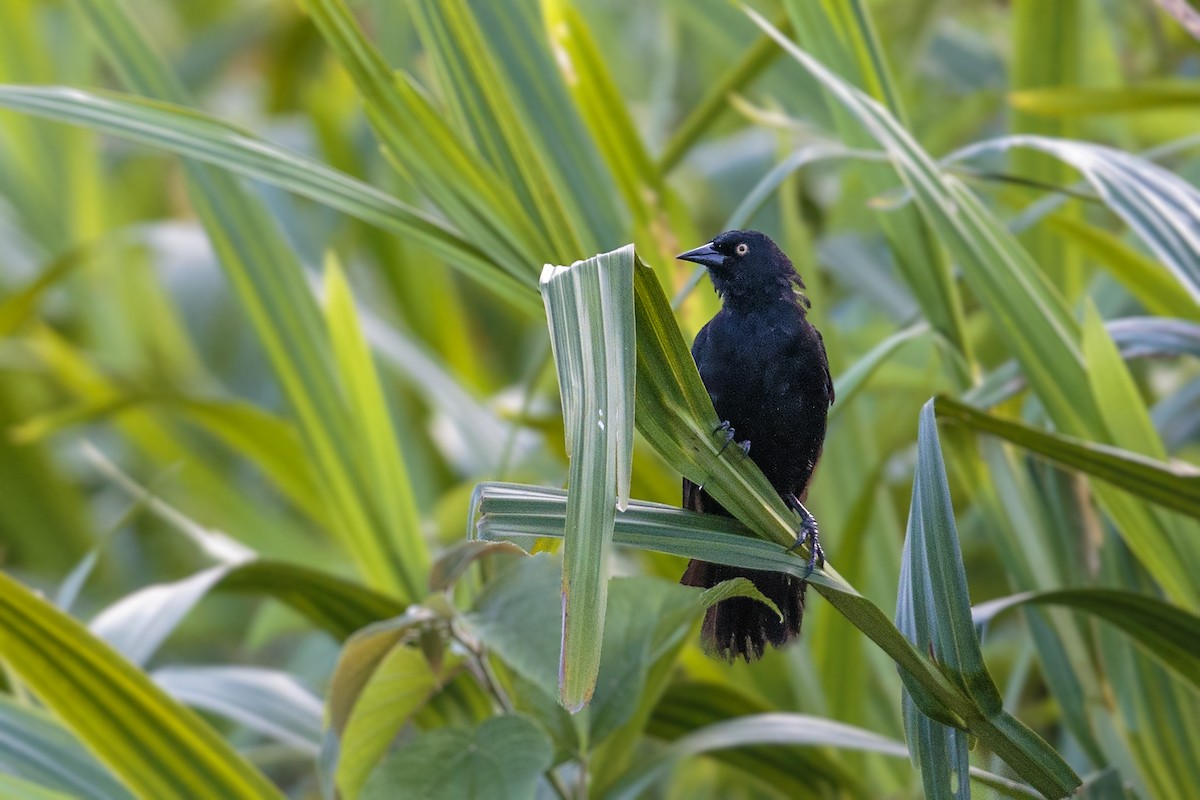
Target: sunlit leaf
{"points": [[161, 749]]}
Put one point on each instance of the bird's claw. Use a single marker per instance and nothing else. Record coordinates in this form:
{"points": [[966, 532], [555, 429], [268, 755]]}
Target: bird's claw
{"points": [[809, 535], [730, 435]]}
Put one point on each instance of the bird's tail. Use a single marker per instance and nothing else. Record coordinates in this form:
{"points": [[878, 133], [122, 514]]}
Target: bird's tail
{"points": [[741, 626]]}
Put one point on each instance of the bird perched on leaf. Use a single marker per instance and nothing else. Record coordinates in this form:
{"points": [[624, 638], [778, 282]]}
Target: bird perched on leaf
{"points": [[764, 366]]}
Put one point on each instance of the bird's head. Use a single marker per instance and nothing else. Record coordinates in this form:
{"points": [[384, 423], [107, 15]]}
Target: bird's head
{"points": [[747, 268]]}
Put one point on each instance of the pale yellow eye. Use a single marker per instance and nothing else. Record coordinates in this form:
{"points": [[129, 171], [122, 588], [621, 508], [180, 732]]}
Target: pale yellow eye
{"points": [[742, 249]]}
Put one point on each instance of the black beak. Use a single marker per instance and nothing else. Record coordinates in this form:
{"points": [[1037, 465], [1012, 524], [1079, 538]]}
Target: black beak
{"points": [[707, 255]]}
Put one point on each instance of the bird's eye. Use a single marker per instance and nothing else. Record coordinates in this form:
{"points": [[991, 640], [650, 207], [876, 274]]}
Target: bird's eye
{"points": [[742, 248]]}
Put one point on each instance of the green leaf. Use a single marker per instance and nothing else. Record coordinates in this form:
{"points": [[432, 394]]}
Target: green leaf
{"points": [[1146, 279], [647, 619], [753, 729], [590, 310], [715, 102], [1030, 315], [690, 706], [194, 135], [737, 587], [1078, 101], [934, 611], [379, 459], [361, 656], [1158, 205], [800, 730], [451, 565], [842, 36], [1173, 485], [483, 104], [400, 685], [270, 702], [603, 110], [161, 749], [270, 283], [18, 789], [501, 759], [35, 747], [138, 623], [514, 512], [1169, 633], [430, 152]]}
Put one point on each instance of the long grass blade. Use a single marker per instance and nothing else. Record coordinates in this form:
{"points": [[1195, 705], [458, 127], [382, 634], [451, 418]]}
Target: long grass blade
{"points": [[161, 749]]}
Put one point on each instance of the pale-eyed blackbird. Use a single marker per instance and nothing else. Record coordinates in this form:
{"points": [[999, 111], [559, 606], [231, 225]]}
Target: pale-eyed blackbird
{"points": [[765, 368]]}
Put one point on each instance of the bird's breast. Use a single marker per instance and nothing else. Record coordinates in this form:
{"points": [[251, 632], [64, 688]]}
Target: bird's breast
{"points": [[767, 376]]}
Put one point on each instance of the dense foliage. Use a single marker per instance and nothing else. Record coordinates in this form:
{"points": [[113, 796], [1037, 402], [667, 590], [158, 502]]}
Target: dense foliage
{"points": [[282, 419]]}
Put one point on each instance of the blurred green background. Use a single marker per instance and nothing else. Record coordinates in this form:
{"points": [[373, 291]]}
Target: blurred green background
{"points": [[313, 346]]}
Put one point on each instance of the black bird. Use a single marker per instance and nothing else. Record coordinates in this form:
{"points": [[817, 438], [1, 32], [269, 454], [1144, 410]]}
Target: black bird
{"points": [[765, 368]]}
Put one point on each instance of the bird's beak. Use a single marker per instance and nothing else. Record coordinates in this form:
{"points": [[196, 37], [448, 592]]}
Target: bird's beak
{"points": [[706, 255]]}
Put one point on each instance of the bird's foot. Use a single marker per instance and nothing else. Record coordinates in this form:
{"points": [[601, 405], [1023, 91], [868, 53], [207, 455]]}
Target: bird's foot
{"points": [[730, 436], [809, 535]]}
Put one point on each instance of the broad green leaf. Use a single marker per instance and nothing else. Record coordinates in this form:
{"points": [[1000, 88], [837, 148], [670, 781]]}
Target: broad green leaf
{"points": [[161, 749], [400, 684], [35, 747], [363, 653], [1170, 634], [1173, 485], [647, 619], [501, 759], [590, 310]]}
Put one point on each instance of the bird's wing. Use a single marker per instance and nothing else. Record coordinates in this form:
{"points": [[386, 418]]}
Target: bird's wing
{"points": [[825, 363]]}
